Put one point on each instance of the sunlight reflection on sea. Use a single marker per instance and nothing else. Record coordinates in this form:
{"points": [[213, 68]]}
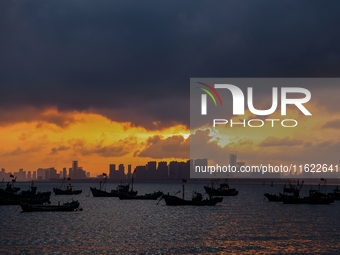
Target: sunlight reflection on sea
{"points": [[244, 224]]}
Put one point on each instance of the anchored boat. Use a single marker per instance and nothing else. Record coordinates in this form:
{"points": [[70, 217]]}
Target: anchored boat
{"points": [[71, 206]]}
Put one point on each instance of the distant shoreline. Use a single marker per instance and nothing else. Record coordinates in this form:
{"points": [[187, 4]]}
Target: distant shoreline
{"points": [[266, 181]]}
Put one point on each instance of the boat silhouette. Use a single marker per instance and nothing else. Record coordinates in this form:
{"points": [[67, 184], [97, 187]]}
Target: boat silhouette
{"points": [[335, 194], [197, 199], [315, 197], [68, 190], [290, 191], [121, 189], [150, 196], [29, 196], [70, 206], [222, 190]]}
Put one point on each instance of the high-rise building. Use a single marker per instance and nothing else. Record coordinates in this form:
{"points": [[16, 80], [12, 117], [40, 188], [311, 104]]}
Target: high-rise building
{"points": [[64, 172], [74, 168], [232, 159], [151, 170], [112, 171], [186, 169], [34, 177], [174, 170], [53, 173], [140, 172], [163, 170], [47, 174], [29, 175], [129, 174], [201, 162], [40, 173], [21, 175], [121, 174]]}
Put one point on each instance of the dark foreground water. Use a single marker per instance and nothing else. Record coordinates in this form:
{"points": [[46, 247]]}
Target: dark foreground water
{"points": [[245, 224]]}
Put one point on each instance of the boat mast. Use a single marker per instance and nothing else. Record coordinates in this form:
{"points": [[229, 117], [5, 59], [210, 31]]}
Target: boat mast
{"points": [[132, 184], [104, 183], [61, 185], [183, 191]]}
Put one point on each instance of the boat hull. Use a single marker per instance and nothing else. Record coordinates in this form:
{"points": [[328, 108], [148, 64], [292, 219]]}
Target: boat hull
{"points": [[153, 196], [101, 193], [114, 193], [217, 192], [273, 198], [176, 201], [308, 200], [66, 192], [11, 201], [49, 208]]}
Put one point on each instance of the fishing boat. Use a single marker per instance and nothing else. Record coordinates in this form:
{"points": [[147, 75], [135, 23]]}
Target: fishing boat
{"points": [[222, 190], [273, 197], [29, 196], [68, 190], [18, 201], [316, 197], [197, 199], [121, 189], [290, 191], [71, 206], [9, 187], [335, 194], [32, 193], [150, 196]]}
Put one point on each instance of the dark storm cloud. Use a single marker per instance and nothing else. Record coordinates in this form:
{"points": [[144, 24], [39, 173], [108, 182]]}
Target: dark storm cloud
{"points": [[171, 147], [119, 148], [332, 124], [136, 57], [286, 141]]}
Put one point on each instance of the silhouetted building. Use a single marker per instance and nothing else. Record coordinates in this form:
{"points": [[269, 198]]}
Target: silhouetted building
{"points": [[64, 172], [129, 174], [47, 175], [232, 159], [112, 171], [121, 174], [151, 170], [140, 172], [163, 170]]}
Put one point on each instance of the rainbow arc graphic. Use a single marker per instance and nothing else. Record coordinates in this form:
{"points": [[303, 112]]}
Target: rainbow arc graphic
{"points": [[211, 91]]}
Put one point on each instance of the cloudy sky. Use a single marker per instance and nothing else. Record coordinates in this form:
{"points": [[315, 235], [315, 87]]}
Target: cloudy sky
{"points": [[108, 82]]}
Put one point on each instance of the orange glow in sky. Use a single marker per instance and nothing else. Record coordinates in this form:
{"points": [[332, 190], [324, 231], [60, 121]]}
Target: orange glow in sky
{"points": [[92, 139]]}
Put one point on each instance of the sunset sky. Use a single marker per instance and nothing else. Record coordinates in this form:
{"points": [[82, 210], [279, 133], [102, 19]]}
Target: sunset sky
{"points": [[108, 82]]}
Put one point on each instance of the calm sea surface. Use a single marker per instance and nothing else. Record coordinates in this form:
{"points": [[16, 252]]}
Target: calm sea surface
{"points": [[244, 224]]}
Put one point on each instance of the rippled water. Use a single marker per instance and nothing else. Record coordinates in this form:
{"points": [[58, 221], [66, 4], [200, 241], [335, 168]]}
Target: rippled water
{"points": [[245, 224]]}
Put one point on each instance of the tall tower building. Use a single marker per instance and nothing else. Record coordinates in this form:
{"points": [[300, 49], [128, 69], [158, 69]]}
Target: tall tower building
{"points": [[129, 174], [121, 173], [74, 169], [232, 159], [64, 172], [112, 171]]}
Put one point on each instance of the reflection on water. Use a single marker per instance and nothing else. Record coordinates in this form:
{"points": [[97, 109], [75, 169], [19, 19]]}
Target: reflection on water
{"points": [[244, 224]]}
